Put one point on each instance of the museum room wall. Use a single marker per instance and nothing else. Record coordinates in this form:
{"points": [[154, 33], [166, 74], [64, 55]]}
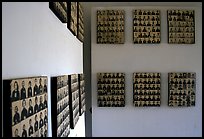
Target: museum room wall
{"points": [[34, 43], [128, 58]]}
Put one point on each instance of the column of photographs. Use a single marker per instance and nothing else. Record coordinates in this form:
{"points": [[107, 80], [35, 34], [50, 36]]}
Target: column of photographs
{"points": [[82, 104], [111, 89], [73, 99], [182, 88], [181, 26], [80, 25], [63, 117], [146, 87], [29, 107], [60, 10], [72, 17], [110, 26], [146, 26]]}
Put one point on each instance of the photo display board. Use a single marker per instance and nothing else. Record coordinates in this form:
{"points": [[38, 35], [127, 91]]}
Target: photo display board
{"points": [[111, 89], [110, 26], [146, 89], [60, 106], [72, 17], [73, 99], [82, 102], [25, 107], [146, 26], [182, 89], [181, 26], [80, 22], [60, 10]]}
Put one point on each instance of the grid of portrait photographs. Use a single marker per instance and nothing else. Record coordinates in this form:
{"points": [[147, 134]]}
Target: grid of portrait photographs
{"points": [[72, 17], [182, 89], [60, 106], [181, 26], [146, 26], [82, 104], [27, 99], [110, 26], [111, 89], [80, 25], [73, 99], [60, 10], [146, 87]]}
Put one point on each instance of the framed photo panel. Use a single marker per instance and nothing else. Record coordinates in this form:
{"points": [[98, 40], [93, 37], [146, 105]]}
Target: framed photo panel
{"points": [[80, 22], [146, 26], [60, 106], [25, 107], [60, 10], [110, 26], [73, 99], [182, 89], [82, 102], [181, 26], [72, 17], [111, 89]]}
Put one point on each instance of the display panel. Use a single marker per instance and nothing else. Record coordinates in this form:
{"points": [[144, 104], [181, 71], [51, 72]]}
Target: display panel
{"points": [[82, 102], [60, 106], [80, 22], [60, 10], [72, 17], [73, 99], [182, 89], [181, 26], [110, 26], [146, 89], [111, 89], [146, 26], [25, 107]]}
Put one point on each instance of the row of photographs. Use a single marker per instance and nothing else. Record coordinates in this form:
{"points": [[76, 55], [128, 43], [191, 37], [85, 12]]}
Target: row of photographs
{"points": [[147, 89], [27, 100], [178, 22], [72, 14]]}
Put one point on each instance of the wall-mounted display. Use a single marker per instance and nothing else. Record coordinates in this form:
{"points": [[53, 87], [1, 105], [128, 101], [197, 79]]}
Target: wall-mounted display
{"points": [[146, 89], [73, 99], [80, 22], [182, 89], [82, 104], [110, 26], [111, 89], [72, 17], [25, 107], [60, 10], [181, 26], [146, 26], [60, 106]]}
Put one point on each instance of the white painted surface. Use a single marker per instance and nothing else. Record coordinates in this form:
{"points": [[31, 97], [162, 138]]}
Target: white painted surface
{"points": [[35, 42], [128, 57]]}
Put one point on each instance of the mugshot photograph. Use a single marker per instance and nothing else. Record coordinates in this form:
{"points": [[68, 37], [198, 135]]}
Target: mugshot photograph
{"points": [[45, 86], [30, 130], [16, 133], [30, 109], [45, 116], [15, 93], [24, 112], [36, 125], [29, 89], [24, 132], [45, 130], [41, 122], [40, 86], [16, 117], [45, 100], [36, 107], [23, 90], [41, 105], [35, 88]]}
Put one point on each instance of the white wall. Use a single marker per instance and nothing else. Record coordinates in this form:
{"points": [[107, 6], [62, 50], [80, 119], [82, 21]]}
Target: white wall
{"points": [[128, 57], [35, 42]]}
